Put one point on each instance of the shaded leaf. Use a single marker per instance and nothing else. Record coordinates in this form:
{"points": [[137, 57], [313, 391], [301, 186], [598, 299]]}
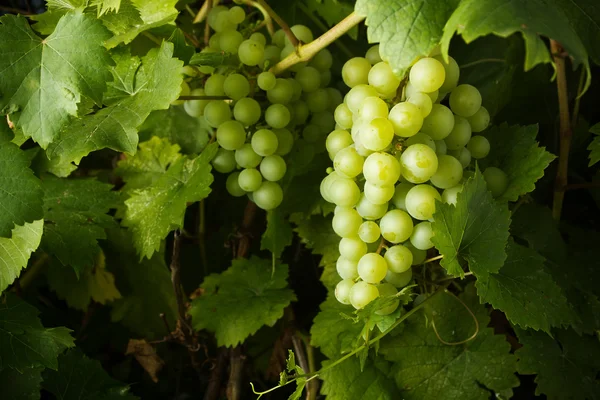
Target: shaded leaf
{"points": [[15, 252], [23, 385], [278, 234]]}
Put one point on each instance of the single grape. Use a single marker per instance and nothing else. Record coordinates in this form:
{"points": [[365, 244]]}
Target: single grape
{"points": [[216, 112], [250, 179], [268, 196], [441, 148], [399, 258], [386, 290], [189, 70], [419, 256], [439, 123], [346, 269], [465, 100], [369, 232], [421, 236], [460, 134], [236, 86], [348, 162], [452, 73], [223, 23], [400, 194], [271, 54], [480, 120], [427, 75], [282, 92], [377, 134], [302, 33], [214, 85], [352, 248], [396, 226], [496, 180], [450, 195], [422, 101], [342, 291], [232, 185], [185, 91], [259, 37], [381, 169], [230, 41], [247, 111], [195, 108], [273, 168], [264, 142], [371, 108], [335, 98], [463, 155], [378, 194], [356, 71], [246, 157], [449, 172], [337, 140], [224, 161], [370, 211], [399, 280], [279, 38], [344, 192], [372, 268], [419, 163], [479, 147], [285, 141], [406, 119], [421, 138], [251, 52], [309, 79], [410, 90], [373, 55], [420, 201], [382, 78], [346, 223], [277, 116], [325, 78], [362, 294], [266, 80], [231, 135], [325, 186], [357, 95], [322, 61], [213, 45]]}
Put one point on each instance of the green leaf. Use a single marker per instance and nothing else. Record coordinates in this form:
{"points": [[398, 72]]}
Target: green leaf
{"points": [[105, 6], [186, 180], [21, 385], [278, 234], [583, 16], [76, 218], [525, 291], [44, 79], [475, 18], [15, 252], [21, 197], [294, 369], [157, 84], [248, 283], [215, 59], [182, 50], [127, 17], [81, 378], [24, 342], [405, 30], [474, 231], [567, 365], [594, 147], [515, 151], [424, 367]]}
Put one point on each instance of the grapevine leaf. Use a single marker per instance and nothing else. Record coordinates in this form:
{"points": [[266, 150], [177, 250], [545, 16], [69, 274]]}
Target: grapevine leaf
{"points": [[476, 18], [23, 385], [405, 30], [516, 152], [44, 79], [212, 59], [424, 367], [594, 147], [278, 234], [584, 16], [248, 283], [152, 212], [76, 217], [157, 84], [105, 6], [24, 342], [525, 292], [182, 50], [475, 230], [120, 22], [566, 365], [15, 252], [292, 368], [21, 197], [81, 378]]}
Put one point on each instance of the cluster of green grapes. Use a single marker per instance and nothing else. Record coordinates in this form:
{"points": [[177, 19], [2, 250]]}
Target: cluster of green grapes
{"points": [[392, 165], [264, 116]]}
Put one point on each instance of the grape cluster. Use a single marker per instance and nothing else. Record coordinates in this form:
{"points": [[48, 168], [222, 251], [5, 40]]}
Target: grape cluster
{"points": [[391, 165], [266, 115]]}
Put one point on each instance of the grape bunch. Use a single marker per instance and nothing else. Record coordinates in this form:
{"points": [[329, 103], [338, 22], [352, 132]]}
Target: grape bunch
{"points": [[391, 165], [264, 117]]}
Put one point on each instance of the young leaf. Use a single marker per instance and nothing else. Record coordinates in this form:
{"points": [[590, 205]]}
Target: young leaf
{"points": [[239, 301], [278, 234], [23, 385], [294, 369], [424, 367], [594, 147], [15, 252], [583, 16], [515, 151], [44, 79], [81, 378], [475, 230], [24, 342], [567, 365]]}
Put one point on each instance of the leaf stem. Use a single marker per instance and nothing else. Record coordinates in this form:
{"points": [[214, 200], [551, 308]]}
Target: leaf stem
{"points": [[324, 28], [382, 245], [433, 259], [481, 61], [288, 32], [307, 51]]}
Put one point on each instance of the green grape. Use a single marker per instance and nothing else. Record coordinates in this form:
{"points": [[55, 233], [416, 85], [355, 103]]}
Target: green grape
{"points": [[346, 223], [343, 116], [214, 85], [427, 75], [342, 291], [279, 38], [317, 101], [335, 98], [362, 293], [231, 135], [232, 185], [496, 180], [439, 123], [378, 194], [344, 192], [259, 37], [250, 179], [400, 194], [480, 120], [325, 186], [356, 72], [460, 134], [273, 168], [399, 258], [223, 23], [309, 79], [369, 232], [452, 73], [266, 80], [420, 201], [382, 78], [419, 256], [479, 147], [372, 268], [277, 116], [224, 161], [247, 111], [282, 92], [441, 148], [381, 169], [213, 44], [373, 55], [346, 269], [216, 112], [302, 33], [251, 52], [185, 91], [406, 119], [370, 211], [465, 100], [371, 108], [463, 155], [195, 108], [419, 163], [271, 54], [410, 91], [264, 142], [399, 280], [189, 70], [214, 12], [322, 61], [230, 41], [449, 172], [348, 162], [387, 290], [357, 95], [268, 196], [300, 112], [352, 248], [236, 86], [377, 134], [325, 78], [246, 157], [396, 226], [237, 15], [337, 140], [421, 236], [311, 133], [421, 138], [422, 101], [285, 141], [450, 195]]}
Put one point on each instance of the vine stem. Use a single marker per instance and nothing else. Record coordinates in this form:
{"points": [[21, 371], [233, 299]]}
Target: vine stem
{"points": [[286, 28], [307, 51], [433, 259], [203, 12], [381, 246], [565, 131]]}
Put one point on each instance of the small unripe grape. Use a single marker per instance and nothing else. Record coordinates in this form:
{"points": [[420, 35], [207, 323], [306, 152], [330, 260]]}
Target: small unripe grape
{"points": [[232, 185], [362, 293], [420, 201], [373, 55], [480, 120], [322, 61], [216, 112], [345, 223], [399, 258], [266, 80], [231, 135], [422, 138], [356, 71], [427, 75], [285, 141], [273, 168], [277, 116], [369, 232], [247, 111], [214, 85], [399, 280], [342, 291], [400, 195], [264, 142], [268, 196], [370, 211], [465, 100], [246, 157], [230, 41], [396, 226], [460, 134], [236, 86], [421, 236], [496, 180], [452, 73], [251, 52], [463, 155], [372, 268], [479, 147], [250, 179], [439, 123], [352, 248], [224, 161], [449, 172], [346, 268]]}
